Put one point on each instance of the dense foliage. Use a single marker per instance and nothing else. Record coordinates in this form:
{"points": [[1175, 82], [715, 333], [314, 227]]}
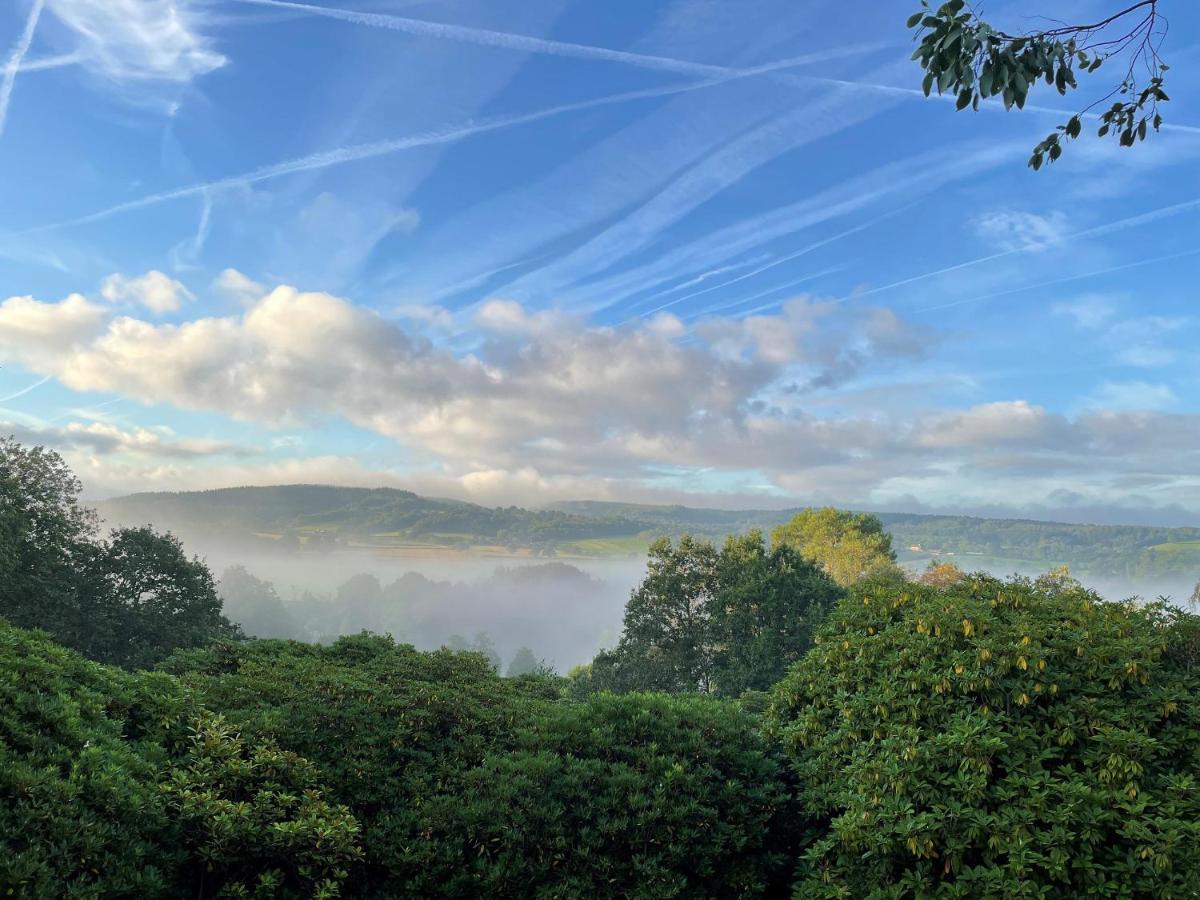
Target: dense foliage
{"points": [[997, 739], [114, 784], [468, 784], [846, 545], [723, 621], [128, 600]]}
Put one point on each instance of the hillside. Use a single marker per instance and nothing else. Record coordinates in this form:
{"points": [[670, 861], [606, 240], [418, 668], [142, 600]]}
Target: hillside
{"points": [[315, 516], [311, 515]]}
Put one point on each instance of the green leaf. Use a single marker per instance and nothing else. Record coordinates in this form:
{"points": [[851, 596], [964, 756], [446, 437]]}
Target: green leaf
{"points": [[964, 98], [914, 20]]}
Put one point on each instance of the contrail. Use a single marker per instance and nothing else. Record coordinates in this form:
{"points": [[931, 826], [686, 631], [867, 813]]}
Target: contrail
{"points": [[26, 390], [1064, 280], [788, 285], [1120, 225], [357, 152], [816, 245], [51, 62], [489, 38], [15, 58]]}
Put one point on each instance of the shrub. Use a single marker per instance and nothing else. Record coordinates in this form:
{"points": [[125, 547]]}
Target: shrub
{"points": [[104, 794], [639, 795], [994, 739], [469, 784]]}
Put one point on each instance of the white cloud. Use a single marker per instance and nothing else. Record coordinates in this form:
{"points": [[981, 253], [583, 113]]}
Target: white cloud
{"points": [[550, 406], [41, 333], [1016, 230], [238, 287], [544, 389], [157, 292], [139, 40]]}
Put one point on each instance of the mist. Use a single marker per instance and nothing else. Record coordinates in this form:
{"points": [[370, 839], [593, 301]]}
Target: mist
{"points": [[562, 610]]}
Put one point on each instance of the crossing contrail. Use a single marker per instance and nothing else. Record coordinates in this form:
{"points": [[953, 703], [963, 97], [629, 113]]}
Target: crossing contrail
{"points": [[485, 37], [15, 59], [357, 152]]}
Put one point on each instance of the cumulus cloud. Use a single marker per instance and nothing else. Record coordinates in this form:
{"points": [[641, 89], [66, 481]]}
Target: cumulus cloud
{"points": [[547, 404], [157, 292], [543, 388], [40, 333], [138, 40]]}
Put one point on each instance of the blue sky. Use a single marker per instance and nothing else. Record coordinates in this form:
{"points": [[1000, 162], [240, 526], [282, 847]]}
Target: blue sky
{"points": [[706, 251]]}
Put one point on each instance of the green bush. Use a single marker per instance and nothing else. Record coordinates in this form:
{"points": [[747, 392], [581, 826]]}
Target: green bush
{"points": [[80, 811], [639, 795], [997, 739], [103, 793], [468, 784]]}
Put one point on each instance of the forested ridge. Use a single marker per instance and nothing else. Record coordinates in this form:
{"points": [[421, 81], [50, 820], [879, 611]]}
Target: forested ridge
{"points": [[788, 714], [318, 517]]}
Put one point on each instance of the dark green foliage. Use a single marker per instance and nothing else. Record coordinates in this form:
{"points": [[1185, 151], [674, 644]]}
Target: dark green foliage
{"points": [[966, 57], [253, 819], [80, 813], [992, 739], [767, 605], [140, 597], [43, 532], [622, 796], [129, 600], [469, 784], [723, 621], [386, 726], [102, 794], [665, 642]]}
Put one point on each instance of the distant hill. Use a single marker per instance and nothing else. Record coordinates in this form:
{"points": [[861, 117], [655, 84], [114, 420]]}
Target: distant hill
{"points": [[314, 516], [307, 513]]}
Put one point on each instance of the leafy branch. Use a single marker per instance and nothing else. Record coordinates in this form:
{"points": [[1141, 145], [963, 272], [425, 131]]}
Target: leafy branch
{"points": [[962, 54]]}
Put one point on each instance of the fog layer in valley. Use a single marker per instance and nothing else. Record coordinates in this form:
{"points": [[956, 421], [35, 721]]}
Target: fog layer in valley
{"points": [[562, 610]]}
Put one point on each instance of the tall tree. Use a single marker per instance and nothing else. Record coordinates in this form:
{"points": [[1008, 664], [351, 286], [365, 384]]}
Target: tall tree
{"points": [[523, 662], [767, 604], [848, 546], [128, 600], [44, 533], [665, 642], [140, 598], [966, 57], [714, 621], [255, 605]]}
